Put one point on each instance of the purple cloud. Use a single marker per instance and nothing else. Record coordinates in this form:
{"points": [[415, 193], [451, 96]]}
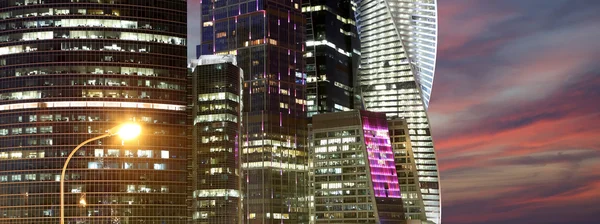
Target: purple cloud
{"points": [[515, 111]]}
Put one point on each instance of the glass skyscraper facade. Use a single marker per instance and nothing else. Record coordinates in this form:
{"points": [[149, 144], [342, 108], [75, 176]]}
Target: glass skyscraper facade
{"points": [[353, 172], [69, 71], [217, 96], [332, 55], [268, 38], [407, 170], [416, 21], [398, 41]]}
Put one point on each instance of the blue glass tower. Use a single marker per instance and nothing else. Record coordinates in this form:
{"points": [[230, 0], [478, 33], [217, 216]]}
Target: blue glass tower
{"points": [[267, 36]]}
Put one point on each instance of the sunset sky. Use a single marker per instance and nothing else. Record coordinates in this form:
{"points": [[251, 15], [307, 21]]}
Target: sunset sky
{"points": [[515, 110]]}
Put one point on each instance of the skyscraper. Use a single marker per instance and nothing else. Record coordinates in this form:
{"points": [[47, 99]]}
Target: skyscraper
{"points": [[267, 36], [70, 70], [407, 170], [398, 42], [216, 93], [332, 55], [353, 173]]}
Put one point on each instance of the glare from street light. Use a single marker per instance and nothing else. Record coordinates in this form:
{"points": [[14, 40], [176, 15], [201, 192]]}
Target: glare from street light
{"points": [[82, 201], [126, 131], [129, 131]]}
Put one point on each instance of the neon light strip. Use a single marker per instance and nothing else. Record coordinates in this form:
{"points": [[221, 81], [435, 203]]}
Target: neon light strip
{"points": [[61, 104], [381, 158]]}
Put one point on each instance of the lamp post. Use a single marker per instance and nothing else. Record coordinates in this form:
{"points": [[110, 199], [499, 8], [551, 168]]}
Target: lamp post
{"points": [[125, 131]]}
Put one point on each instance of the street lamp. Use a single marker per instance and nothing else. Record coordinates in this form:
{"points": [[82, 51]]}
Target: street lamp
{"points": [[82, 200], [126, 131]]}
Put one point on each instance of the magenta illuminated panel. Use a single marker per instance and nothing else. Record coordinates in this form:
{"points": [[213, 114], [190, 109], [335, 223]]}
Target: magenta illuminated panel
{"points": [[381, 156]]}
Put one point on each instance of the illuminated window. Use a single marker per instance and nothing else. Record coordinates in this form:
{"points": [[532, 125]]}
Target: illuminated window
{"points": [[127, 165], [221, 34], [218, 96], [16, 155], [46, 141], [17, 131], [30, 177], [128, 153], [164, 154], [203, 215], [76, 189], [216, 170], [206, 203], [334, 141], [98, 152], [113, 153], [35, 154], [93, 165], [144, 188], [46, 129], [145, 153], [160, 166], [216, 117]]}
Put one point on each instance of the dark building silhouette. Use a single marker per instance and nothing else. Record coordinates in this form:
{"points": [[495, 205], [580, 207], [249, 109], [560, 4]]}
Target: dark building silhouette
{"points": [[217, 95], [332, 55], [70, 70], [268, 38]]}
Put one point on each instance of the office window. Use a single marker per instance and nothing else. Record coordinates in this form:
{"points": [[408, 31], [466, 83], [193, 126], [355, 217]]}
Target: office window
{"points": [[164, 154], [160, 166]]}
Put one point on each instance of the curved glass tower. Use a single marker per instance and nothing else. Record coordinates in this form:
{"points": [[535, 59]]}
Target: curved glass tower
{"points": [[416, 22], [70, 70], [398, 43]]}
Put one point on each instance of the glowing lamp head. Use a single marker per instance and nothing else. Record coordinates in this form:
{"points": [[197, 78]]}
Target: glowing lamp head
{"points": [[128, 131], [82, 201]]}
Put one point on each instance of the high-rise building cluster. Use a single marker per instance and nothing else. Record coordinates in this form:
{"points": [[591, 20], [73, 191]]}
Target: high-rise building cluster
{"points": [[299, 111]]}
